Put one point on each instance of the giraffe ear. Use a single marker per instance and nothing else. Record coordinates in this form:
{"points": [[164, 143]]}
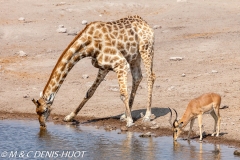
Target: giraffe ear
{"points": [[41, 94]]}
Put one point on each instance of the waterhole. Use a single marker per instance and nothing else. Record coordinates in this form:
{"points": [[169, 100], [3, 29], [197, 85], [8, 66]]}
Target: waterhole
{"points": [[21, 139]]}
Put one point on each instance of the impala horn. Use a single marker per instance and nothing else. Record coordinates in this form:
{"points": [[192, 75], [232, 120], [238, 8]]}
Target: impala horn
{"points": [[170, 118], [176, 115]]}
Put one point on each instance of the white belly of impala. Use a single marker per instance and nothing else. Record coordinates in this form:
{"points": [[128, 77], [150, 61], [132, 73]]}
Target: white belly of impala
{"points": [[208, 108]]}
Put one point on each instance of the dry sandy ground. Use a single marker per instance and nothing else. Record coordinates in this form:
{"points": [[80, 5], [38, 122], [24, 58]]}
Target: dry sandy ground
{"points": [[205, 33]]}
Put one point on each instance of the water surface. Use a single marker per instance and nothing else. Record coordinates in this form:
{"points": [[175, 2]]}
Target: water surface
{"points": [[21, 139]]}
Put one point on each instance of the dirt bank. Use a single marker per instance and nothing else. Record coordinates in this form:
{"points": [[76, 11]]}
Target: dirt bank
{"points": [[204, 33]]}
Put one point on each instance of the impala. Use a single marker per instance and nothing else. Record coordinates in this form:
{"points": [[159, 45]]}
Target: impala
{"points": [[206, 103]]}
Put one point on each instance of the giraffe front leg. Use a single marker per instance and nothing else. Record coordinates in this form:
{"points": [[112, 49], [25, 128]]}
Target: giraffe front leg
{"points": [[100, 77]]}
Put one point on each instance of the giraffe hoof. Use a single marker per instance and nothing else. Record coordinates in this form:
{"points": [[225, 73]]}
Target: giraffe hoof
{"points": [[130, 124], [146, 119], [69, 117], [123, 118]]}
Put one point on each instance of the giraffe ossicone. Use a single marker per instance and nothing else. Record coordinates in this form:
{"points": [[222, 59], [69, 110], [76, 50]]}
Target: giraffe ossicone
{"points": [[113, 46]]}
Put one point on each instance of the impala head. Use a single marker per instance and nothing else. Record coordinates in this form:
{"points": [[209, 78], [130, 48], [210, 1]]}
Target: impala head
{"points": [[176, 125], [43, 109]]}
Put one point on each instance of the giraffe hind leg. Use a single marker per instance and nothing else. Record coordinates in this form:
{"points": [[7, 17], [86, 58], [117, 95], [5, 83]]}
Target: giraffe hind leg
{"points": [[147, 57], [136, 72], [100, 77], [121, 71]]}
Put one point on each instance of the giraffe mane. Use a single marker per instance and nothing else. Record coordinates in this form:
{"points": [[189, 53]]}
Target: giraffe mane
{"points": [[77, 36]]}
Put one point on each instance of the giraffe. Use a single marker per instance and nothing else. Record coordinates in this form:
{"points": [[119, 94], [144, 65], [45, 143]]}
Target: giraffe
{"points": [[112, 46]]}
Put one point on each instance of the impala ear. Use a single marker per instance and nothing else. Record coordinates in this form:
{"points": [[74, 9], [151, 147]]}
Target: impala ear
{"points": [[175, 123]]}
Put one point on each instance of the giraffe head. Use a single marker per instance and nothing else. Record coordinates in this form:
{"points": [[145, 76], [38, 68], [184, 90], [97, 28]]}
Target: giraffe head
{"points": [[43, 109]]}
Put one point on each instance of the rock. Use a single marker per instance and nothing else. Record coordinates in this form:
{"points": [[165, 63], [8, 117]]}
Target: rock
{"points": [[72, 33], [236, 152], [157, 27], [62, 30], [84, 22], [166, 31], [170, 88], [25, 96], [85, 76], [155, 127], [55, 118], [21, 19], [108, 128], [114, 88], [152, 116], [61, 3], [145, 135], [22, 54], [61, 26], [183, 75], [176, 58], [144, 128], [181, 0], [154, 122], [214, 71], [124, 128]]}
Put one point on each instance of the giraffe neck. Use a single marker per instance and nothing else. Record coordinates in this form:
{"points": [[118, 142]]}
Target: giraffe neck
{"points": [[76, 50]]}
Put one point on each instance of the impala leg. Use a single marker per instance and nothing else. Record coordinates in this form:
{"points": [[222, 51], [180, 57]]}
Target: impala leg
{"points": [[200, 126], [213, 114], [218, 120], [190, 129], [100, 77]]}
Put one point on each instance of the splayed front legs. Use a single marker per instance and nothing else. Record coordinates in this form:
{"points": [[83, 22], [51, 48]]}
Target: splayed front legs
{"points": [[100, 77]]}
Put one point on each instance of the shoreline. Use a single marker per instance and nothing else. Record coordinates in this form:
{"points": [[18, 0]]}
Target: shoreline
{"points": [[113, 123]]}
